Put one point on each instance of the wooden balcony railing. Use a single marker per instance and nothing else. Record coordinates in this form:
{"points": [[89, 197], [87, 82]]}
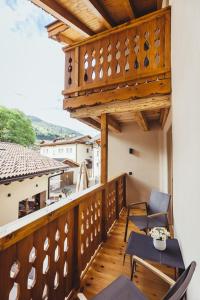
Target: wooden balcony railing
{"points": [[140, 49], [44, 255]]}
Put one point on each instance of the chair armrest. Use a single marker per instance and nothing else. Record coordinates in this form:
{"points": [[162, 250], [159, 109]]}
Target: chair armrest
{"points": [[157, 215], [81, 296], [157, 272]]}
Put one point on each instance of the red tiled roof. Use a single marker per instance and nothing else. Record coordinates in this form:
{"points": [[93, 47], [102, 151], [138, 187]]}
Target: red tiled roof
{"points": [[76, 140], [70, 163], [17, 161]]}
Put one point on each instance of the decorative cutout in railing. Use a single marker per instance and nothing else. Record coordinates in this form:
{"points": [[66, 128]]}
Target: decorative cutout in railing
{"points": [[139, 49], [45, 259], [111, 204], [90, 216]]}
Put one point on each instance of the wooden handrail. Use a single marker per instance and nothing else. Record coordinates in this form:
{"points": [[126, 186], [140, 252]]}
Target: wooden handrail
{"points": [[48, 251], [15, 231], [119, 28]]}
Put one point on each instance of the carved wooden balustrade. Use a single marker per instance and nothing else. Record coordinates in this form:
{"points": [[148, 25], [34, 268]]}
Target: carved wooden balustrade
{"points": [[46, 257], [140, 49]]}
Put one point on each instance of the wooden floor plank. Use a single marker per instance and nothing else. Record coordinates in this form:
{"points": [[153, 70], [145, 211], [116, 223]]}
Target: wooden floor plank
{"points": [[108, 265]]}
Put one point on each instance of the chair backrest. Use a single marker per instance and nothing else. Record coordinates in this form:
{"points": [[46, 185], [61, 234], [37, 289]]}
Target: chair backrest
{"points": [[178, 290], [158, 202]]}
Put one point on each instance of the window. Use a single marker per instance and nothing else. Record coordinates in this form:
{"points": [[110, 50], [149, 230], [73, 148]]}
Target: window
{"points": [[87, 150], [69, 150]]}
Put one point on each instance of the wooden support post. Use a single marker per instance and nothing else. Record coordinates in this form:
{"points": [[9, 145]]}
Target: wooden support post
{"points": [[104, 148], [141, 120], [163, 117]]}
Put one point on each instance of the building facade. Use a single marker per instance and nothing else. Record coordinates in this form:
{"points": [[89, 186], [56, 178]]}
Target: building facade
{"points": [[24, 181], [96, 159], [76, 149]]}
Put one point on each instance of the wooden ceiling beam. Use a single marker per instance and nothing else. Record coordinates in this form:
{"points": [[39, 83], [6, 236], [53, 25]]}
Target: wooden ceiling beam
{"points": [[163, 117], [141, 120], [119, 28], [90, 122], [113, 125], [56, 28], [64, 15], [100, 10], [61, 38], [95, 123], [143, 104]]}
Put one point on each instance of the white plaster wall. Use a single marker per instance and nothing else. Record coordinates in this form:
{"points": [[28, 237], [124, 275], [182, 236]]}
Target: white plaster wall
{"points": [[144, 163], [163, 160], [77, 153], [60, 151], [19, 191], [186, 131], [82, 152]]}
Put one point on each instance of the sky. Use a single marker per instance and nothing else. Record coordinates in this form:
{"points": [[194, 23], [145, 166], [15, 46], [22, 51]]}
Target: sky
{"points": [[32, 65]]}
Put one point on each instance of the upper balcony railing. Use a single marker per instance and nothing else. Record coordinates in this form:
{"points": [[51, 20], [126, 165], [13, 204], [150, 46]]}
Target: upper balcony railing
{"points": [[139, 49], [44, 255]]}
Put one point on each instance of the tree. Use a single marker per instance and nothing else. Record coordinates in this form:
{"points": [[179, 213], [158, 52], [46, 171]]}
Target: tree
{"points": [[15, 127]]}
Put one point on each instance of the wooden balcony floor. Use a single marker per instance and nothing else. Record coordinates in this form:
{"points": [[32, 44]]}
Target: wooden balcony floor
{"points": [[108, 265]]}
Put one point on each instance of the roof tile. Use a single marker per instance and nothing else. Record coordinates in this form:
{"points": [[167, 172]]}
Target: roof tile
{"points": [[16, 161]]}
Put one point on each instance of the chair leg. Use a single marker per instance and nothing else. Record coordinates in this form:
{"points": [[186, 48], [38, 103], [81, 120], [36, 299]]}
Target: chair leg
{"points": [[133, 269], [131, 261], [126, 228]]}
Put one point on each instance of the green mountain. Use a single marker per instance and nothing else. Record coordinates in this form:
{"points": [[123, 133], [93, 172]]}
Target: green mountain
{"points": [[49, 131]]}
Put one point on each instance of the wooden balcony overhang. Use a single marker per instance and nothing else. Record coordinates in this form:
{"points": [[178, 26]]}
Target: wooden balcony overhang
{"points": [[86, 18], [126, 69], [117, 52]]}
